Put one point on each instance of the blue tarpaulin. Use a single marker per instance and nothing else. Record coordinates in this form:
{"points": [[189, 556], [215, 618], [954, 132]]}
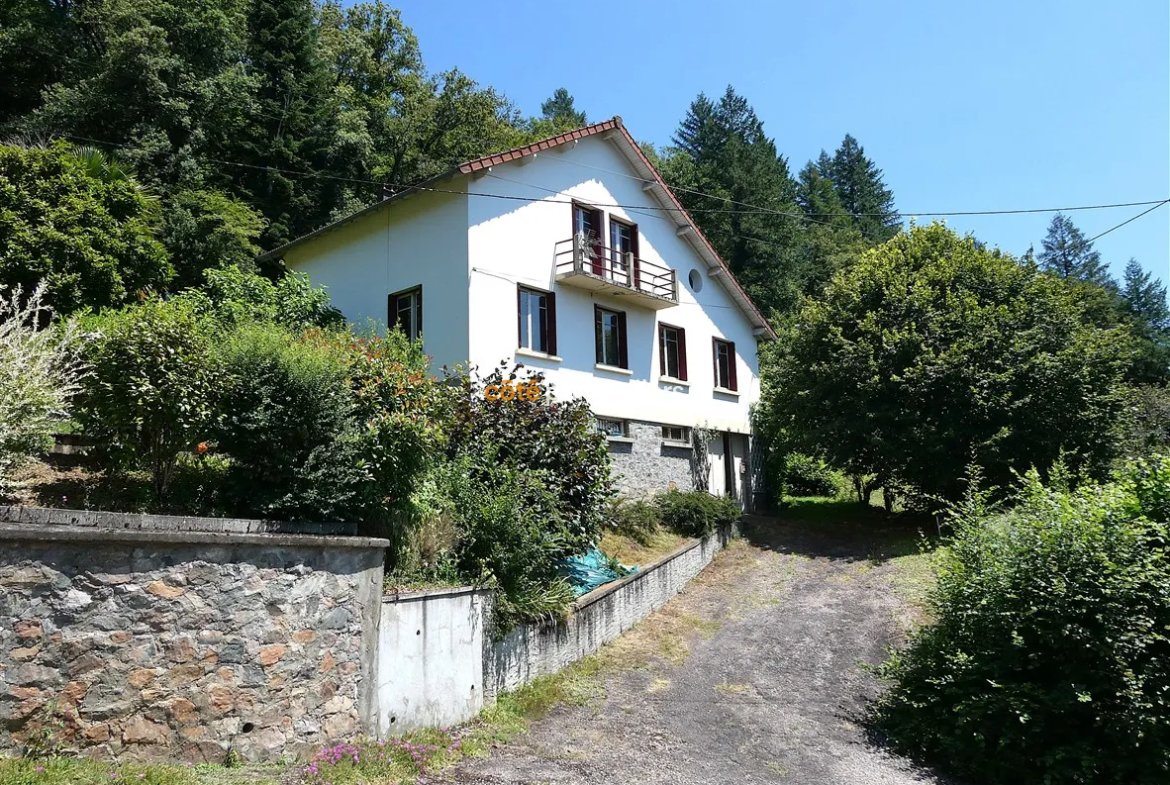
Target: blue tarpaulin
{"points": [[585, 573]]}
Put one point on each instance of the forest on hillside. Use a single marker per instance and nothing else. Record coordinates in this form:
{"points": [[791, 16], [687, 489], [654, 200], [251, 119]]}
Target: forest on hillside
{"points": [[196, 134]]}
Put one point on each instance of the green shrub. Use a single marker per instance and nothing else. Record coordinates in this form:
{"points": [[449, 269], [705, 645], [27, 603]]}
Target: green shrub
{"points": [[286, 407], [808, 476], [326, 425], [232, 296], [1048, 660], [153, 387], [39, 371], [510, 535], [554, 437], [695, 513], [637, 519]]}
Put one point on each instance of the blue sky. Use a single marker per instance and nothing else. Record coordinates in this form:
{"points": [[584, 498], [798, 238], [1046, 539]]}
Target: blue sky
{"points": [[965, 106]]}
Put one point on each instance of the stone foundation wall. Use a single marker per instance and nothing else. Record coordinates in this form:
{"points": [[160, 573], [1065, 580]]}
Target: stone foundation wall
{"points": [[147, 644], [646, 464]]}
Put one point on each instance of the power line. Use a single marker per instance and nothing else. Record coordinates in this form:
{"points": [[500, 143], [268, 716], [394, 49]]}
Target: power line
{"points": [[633, 208], [898, 213], [1123, 223]]}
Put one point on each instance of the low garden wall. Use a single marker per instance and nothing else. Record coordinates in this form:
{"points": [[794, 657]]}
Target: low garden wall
{"points": [[439, 665], [145, 637], [128, 637], [533, 650]]}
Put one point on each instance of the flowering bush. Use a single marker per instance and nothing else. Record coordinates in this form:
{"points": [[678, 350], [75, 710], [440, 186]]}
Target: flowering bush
{"points": [[39, 371], [391, 760], [327, 425]]}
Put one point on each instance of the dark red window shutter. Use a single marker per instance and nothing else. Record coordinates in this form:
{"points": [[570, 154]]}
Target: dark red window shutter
{"points": [[622, 351], [551, 314], [420, 322], [661, 350], [682, 352], [519, 315], [597, 331], [733, 383]]}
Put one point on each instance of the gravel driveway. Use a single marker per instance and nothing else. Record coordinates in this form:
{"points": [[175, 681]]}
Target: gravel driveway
{"points": [[750, 675]]}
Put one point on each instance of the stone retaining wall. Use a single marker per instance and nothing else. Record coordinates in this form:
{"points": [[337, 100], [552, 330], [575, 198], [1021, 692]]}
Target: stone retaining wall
{"points": [[147, 644]]}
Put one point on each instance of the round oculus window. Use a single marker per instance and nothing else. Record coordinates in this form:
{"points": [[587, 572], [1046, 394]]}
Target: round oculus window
{"points": [[695, 279]]}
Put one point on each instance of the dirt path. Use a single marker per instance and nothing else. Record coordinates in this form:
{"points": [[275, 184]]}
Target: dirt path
{"points": [[751, 675]]}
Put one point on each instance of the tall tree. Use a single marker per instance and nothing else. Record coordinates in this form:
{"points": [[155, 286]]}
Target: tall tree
{"points": [[80, 223], [721, 150], [561, 111], [292, 123], [1067, 254], [862, 191], [1143, 300], [932, 353]]}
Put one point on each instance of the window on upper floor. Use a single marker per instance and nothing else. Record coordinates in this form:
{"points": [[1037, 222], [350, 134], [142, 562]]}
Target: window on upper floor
{"points": [[623, 253], [610, 334], [538, 319], [405, 312], [589, 229], [725, 365], [672, 352]]}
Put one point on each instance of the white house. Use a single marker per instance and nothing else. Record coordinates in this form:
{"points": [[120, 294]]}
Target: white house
{"points": [[572, 256]]}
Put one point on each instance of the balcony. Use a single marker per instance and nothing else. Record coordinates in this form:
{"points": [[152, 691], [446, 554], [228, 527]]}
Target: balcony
{"points": [[621, 275]]}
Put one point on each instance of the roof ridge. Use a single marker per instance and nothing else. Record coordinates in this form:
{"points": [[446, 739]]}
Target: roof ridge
{"points": [[483, 162]]}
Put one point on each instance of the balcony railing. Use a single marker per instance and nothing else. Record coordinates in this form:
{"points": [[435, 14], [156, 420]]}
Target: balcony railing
{"points": [[599, 268]]}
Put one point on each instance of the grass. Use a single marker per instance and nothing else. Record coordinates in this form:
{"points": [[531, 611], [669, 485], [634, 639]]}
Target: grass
{"points": [[629, 551], [60, 770]]}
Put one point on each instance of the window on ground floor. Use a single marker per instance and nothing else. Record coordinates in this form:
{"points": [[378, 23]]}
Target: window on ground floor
{"points": [[676, 433], [611, 427]]}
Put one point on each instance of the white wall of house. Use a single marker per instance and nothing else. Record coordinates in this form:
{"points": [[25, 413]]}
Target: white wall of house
{"points": [[419, 240], [511, 242]]}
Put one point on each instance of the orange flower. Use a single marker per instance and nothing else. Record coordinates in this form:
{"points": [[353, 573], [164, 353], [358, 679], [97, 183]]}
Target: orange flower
{"points": [[201, 448]]}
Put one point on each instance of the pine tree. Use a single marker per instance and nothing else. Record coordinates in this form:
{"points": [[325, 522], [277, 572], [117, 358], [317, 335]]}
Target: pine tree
{"points": [[293, 123], [817, 196], [560, 110], [728, 156], [862, 191], [1067, 254], [1143, 299]]}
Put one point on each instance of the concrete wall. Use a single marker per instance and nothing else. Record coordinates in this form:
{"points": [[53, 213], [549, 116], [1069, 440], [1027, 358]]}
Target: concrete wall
{"points": [[539, 649], [438, 664], [150, 643], [430, 648]]}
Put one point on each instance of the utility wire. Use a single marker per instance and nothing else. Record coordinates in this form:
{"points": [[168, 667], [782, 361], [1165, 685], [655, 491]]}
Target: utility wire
{"points": [[898, 213], [1155, 204]]}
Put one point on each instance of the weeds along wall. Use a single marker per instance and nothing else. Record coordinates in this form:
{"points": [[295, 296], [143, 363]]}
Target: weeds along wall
{"points": [[148, 641]]}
